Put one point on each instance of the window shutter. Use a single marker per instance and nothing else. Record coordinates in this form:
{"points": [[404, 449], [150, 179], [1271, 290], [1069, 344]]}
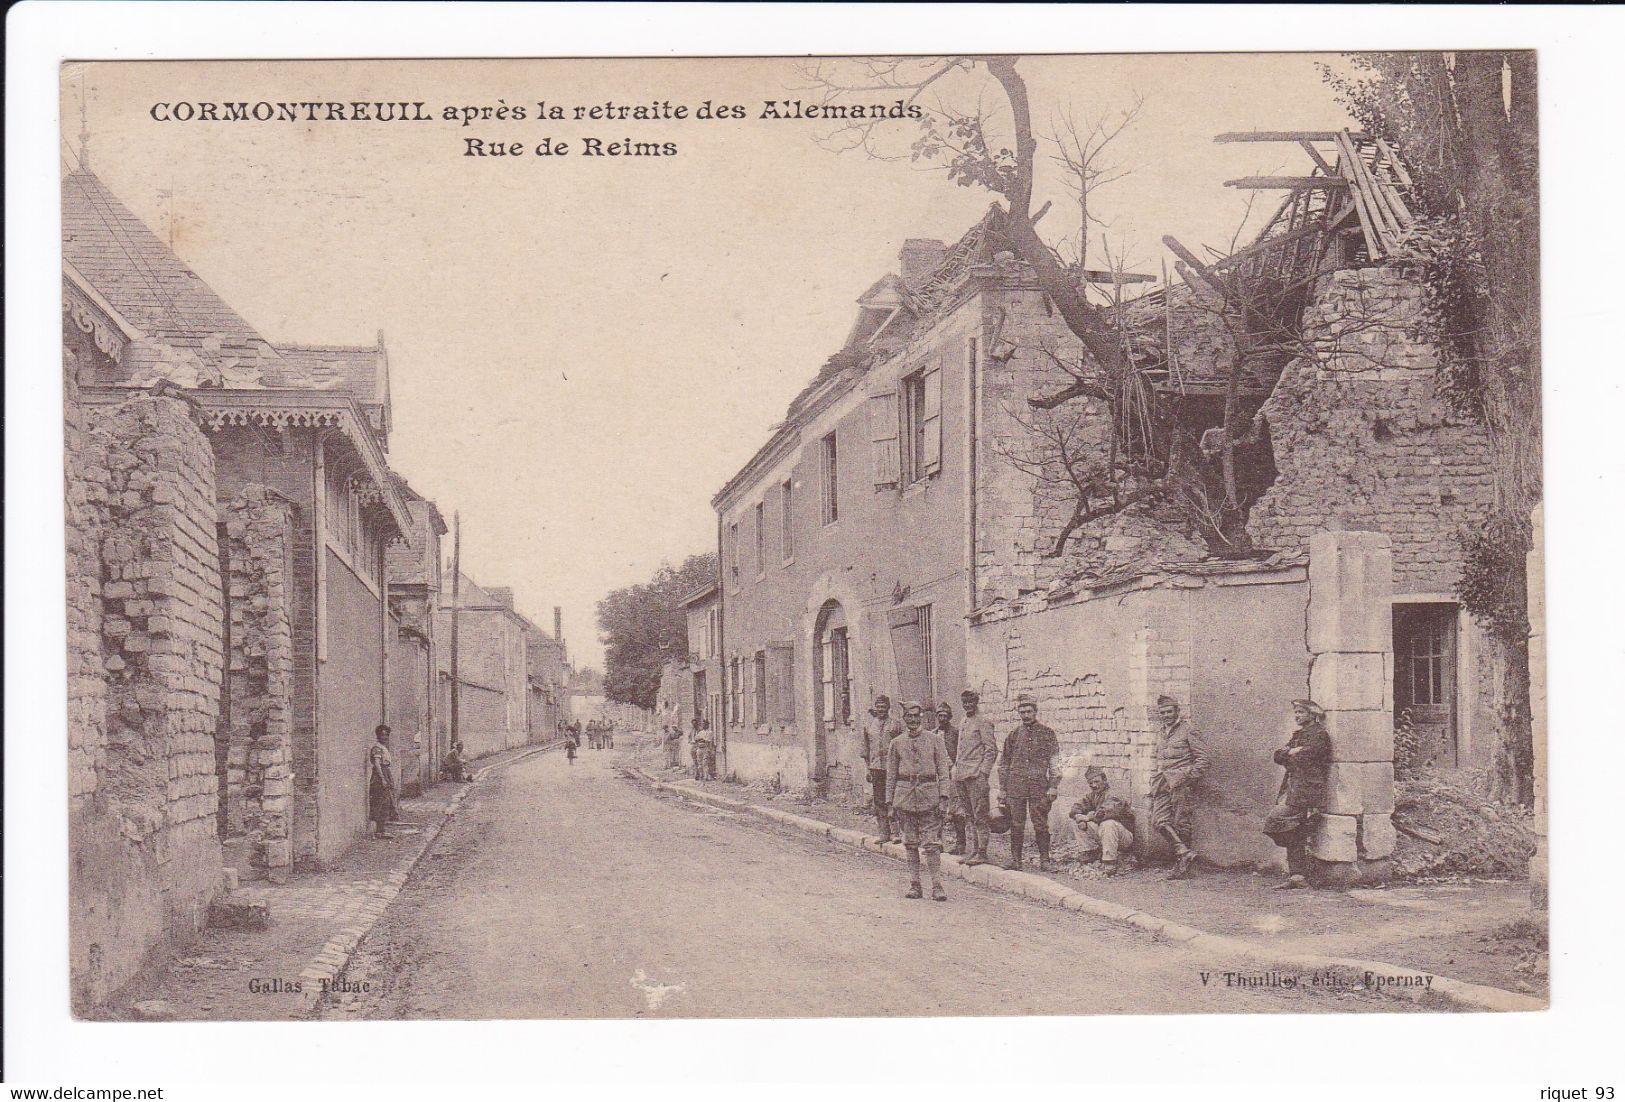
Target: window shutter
{"points": [[883, 438], [826, 676], [931, 420]]}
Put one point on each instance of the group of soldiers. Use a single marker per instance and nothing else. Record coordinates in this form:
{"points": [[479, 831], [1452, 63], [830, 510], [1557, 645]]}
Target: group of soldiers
{"points": [[702, 749], [922, 775], [600, 734]]}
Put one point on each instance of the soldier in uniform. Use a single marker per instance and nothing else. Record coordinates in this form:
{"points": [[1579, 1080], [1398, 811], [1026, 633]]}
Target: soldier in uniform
{"points": [[1307, 758], [1105, 823], [950, 741], [1029, 778], [978, 749], [877, 736], [1182, 759], [917, 791]]}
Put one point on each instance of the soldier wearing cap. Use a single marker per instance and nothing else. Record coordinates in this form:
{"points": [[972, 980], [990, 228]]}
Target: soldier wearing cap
{"points": [[1182, 759], [917, 791], [1029, 778], [1307, 758], [877, 735], [1105, 823], [973, 764]]}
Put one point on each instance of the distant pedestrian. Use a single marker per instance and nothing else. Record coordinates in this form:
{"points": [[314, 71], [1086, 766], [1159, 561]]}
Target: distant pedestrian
{"points": [[609, 735], [570, 749], [877, 735], [673, 737], [1182, 760], [701, 750], [1307, 758], [1029, 778], [1104, 823], [381, 799], [974, 757], [918, 791]]}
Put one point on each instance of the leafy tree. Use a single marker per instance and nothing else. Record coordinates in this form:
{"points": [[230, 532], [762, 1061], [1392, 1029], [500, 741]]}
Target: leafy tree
{"points": [[642, 626]]}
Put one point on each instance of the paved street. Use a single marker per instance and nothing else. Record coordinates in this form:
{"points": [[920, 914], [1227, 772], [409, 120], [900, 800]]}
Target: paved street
{"points": [[563, 891]]}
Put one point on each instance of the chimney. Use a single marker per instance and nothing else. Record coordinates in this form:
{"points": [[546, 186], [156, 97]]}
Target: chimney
{"points": [[558, 623], [920, 257]]}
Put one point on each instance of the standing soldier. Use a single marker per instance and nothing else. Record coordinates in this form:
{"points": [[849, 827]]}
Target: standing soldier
{"points": [[917, 791], [1029, 778], [950, 742], [1307, 757], [877, 736], [973, 765], [1182, 759]]}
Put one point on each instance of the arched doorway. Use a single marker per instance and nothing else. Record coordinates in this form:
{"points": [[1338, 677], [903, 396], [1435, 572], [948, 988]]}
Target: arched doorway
{"points": [[832, 674]]}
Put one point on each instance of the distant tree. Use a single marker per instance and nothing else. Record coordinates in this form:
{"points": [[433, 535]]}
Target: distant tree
{"points": [[642, 626], [588, 681]]}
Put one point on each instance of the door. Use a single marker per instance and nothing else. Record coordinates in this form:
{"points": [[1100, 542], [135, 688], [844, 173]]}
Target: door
{"points": [[1425, 677]]}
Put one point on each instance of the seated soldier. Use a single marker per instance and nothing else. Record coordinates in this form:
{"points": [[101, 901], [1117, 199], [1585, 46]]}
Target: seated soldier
{"points": [[1105, 823]]}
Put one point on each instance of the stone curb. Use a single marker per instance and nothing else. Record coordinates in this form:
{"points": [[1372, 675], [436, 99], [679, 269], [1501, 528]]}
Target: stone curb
{"points": [[1044, 890], [333, 958]]}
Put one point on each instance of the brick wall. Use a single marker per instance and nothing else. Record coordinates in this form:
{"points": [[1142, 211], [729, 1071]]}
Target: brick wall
{"points": [[1097, 665], [142, 812], [1363, 440], [259, 528]]}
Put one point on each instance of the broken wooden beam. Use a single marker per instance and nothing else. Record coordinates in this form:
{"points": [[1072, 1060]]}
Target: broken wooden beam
{"points": [[1296, 183], [1281, 136], [1095, 275]]}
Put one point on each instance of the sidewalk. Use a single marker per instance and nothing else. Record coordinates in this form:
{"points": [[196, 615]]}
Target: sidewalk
{"points": [[1477, 933], [317, 920]]}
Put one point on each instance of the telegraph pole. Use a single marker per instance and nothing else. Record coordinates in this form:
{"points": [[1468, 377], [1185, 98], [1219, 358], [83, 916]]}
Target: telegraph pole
{"points": [[456, 609]]}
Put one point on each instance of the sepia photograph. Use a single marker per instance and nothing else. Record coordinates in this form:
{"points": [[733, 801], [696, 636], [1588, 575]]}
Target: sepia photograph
{"points": [[803, 537]]}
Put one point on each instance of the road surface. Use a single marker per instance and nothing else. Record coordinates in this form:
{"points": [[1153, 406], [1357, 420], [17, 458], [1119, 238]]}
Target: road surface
{"points": [[565, 891]]}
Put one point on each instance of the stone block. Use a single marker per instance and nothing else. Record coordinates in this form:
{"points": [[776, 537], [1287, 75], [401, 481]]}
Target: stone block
{"points": [[1361, 736], [240, 911], [1376, 837], [1336, 838], [1360, 788], [1348, 682], [1350, 592]]}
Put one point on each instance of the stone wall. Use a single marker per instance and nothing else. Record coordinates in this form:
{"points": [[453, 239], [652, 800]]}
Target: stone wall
{"points": [[143, 792], [1097, 665], [1363, 440], [259, 528]]}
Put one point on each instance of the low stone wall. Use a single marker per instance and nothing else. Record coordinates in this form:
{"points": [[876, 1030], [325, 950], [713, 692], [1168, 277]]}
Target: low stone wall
{"points": [[142, 812]]}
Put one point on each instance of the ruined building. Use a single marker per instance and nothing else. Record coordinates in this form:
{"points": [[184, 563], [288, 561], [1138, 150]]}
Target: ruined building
{"points": [[1262, 503]]}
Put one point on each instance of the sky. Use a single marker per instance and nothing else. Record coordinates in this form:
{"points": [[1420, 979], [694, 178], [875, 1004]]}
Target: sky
{"points": [[584, 349]]}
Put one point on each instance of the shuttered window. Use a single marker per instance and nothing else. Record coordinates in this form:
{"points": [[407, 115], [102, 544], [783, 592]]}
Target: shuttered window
{"points": [[781, 686], [883, 439], [931, 424], [829, 470]]}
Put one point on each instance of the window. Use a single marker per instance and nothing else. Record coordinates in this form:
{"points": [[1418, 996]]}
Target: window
{"points": [[913, 652], [912, 397], [733, 553], [760, 703], [842, 654], [787, 539], [828, 466], [735, 692], [761, 538]]}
